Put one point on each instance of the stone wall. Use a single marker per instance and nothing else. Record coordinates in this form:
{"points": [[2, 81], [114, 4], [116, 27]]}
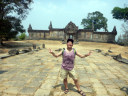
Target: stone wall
{"points": [[47, 35], [103, 37], [82, 35], [86, 36], [56, 35]]}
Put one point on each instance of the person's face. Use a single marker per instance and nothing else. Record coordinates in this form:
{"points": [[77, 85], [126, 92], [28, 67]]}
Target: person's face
{"points": [[69, 44]]}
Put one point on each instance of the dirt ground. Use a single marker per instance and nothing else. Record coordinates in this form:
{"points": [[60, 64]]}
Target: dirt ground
{"points": [[116, 49]]}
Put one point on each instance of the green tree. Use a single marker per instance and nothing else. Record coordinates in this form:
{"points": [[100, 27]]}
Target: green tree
{"points": [[12, 12], [96, 19], [22, 36], [120, 13]]}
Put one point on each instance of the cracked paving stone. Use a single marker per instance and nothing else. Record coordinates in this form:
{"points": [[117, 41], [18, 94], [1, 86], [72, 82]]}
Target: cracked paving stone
{"points": [[27, 90]]}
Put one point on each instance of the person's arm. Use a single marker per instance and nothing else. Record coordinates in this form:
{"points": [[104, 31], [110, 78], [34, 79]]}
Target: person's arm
{"points": [[55, 55], [83, 56]]}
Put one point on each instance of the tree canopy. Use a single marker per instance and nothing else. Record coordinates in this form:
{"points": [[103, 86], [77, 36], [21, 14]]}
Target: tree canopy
{"points": [[120, 13], [97, 19], [12, 12]]}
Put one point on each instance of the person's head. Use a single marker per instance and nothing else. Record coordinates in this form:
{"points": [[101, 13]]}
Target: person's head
{"points": [[70, 43]]}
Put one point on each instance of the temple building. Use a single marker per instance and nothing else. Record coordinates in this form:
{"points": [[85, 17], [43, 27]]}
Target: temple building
{"points": [[71, 31]]}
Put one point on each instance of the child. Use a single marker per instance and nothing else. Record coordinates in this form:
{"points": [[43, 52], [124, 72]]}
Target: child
{"points": [[67, 67]]}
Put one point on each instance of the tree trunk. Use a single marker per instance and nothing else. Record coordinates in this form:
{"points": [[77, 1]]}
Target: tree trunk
{"points": [[1, 43]]}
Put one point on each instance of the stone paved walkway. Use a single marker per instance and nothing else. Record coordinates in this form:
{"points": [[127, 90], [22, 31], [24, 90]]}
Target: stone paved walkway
{"points": [[37, 74]]}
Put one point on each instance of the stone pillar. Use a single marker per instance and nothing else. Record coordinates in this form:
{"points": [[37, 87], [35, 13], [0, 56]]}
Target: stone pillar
{"points": [[34, 46], [43, 46]]}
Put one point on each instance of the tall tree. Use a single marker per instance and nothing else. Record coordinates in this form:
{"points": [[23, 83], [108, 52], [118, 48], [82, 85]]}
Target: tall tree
{"points": [[96, 20], [11, 14], [120, 13]]}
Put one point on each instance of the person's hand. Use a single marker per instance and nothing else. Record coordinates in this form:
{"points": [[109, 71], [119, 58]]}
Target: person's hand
{"points": [[50, 51]]}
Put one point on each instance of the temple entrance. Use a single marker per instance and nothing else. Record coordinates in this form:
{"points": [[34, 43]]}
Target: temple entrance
{"points": [[70, 32], [71, 36]]}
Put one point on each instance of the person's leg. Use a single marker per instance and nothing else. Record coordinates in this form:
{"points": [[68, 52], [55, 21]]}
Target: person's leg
{"points": [[64, 74], [77, 84], [74, 76], [65, 83], [78, 87]]}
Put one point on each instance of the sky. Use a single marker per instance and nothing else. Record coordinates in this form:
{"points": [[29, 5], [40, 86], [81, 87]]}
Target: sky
{"points": [[61, 12]]}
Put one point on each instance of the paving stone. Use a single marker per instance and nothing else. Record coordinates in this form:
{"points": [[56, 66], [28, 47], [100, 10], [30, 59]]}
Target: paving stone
{"points": [[12, 90], [34, 77], [84, 80], [86, 85], [19, 84], [47, 86], [56, 93], [9, 83], [106, 81], [122, 85], [51, 81], [52, 77], [94, 80], [0, 93], [101, 91], [118, 81], [6, 94], [73, 94], [97, 85], [102, 95], [34, 84], [116, 92], [87, 89], [42, 92], [42, 74], [18, 78], [111, 86], [38, 79], [28, 90]]}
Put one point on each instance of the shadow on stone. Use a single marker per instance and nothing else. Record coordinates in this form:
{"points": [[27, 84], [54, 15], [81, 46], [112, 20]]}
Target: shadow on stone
{"points": [[16, 45], [98, 50], [1, 71], [13, 52], [120, 59], [125, 89], [70, 86]]}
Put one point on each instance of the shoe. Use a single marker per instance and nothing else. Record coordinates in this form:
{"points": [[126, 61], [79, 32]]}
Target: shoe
{"points": [[81, 92], [66, 91]]}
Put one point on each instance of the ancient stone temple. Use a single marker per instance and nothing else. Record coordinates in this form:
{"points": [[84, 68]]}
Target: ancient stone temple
{"points": [[71, 31]]}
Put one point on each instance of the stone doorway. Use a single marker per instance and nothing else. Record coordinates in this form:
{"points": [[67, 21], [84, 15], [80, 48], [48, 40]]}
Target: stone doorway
{"points": [[71, 36], [70, 31]]}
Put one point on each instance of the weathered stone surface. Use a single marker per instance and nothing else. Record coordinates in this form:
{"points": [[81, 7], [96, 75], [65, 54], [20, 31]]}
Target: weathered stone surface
{"points": [[98, 50], [42, 92], [43, 46], [106, 81], [26, 50], [101, 91], [38, 48], [34, 46], [12, 90], [13, 52], [27, 90], [115, 92], [110, 51], [39, 74], [58, 49], [120, 59]]}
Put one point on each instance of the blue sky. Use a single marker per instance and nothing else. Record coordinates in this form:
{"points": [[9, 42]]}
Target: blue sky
{"points": [[61, 12]]}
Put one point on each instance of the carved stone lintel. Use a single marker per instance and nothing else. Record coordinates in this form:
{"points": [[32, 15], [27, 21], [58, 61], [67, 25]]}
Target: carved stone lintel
{"points": [[71, 28]]}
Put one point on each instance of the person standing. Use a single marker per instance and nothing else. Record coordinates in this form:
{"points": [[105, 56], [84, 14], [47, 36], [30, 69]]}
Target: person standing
{"points": [[67, 66]]}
